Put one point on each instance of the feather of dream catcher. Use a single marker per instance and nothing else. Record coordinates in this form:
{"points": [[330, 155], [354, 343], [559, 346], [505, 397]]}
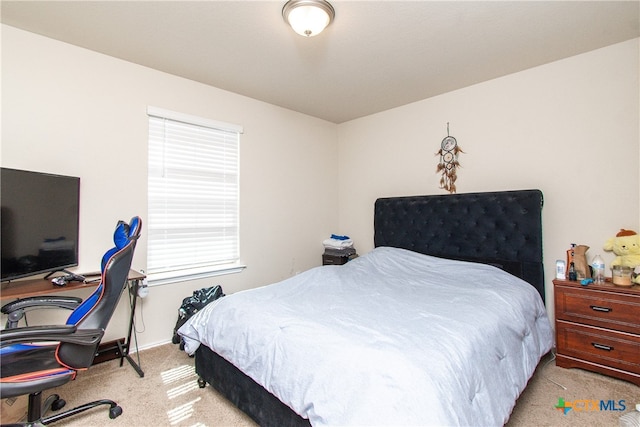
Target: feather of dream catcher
{"points": [[448, 152]]}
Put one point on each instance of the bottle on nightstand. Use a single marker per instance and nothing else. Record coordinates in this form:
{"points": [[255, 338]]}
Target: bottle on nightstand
{"points": [[598, 269], [573, 275]]}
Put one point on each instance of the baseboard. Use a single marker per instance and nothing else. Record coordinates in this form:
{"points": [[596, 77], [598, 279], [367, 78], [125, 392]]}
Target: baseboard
{"points": [[110, 351], [151, 345]]}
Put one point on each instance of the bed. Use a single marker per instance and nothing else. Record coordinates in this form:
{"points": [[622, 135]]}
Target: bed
{"points": [[443, 323]]}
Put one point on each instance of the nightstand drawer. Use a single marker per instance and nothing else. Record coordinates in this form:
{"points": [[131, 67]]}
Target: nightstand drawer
{"points": [[611, 348], [598, 308]]}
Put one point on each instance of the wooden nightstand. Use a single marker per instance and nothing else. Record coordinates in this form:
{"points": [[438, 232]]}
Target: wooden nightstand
{"points": [[598, 328]]}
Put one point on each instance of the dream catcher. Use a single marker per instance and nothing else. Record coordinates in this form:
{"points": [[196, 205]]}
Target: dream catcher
{"points": [[448, 152]]}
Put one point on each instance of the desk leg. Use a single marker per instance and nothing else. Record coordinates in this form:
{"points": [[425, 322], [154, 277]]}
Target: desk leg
{"points": [[132, 287]]}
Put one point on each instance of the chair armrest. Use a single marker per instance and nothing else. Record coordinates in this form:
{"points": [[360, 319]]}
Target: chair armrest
{"points": [[16, 309], [69, 303], [60, 333]]}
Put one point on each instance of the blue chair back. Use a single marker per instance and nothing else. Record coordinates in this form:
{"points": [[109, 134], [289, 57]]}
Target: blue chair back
{"points": [[96, 310]]}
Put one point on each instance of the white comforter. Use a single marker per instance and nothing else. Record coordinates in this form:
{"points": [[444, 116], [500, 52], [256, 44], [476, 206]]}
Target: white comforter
{"points": [[390, 338]]}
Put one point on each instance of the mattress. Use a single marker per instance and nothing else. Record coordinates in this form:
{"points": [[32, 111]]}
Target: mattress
{"points": [[392, 337]]}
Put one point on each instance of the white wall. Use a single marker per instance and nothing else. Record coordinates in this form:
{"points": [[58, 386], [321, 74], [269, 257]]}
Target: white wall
{"points": [[569, 128], [75, 112]]}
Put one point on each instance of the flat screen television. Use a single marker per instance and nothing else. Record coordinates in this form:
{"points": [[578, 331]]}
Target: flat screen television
{"points": [[39, 218]]}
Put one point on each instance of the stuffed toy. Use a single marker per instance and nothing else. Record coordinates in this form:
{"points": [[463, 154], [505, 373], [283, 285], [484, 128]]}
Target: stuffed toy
{"points": [[626, 246]]}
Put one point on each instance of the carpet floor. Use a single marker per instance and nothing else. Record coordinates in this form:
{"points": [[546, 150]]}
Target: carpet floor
{"points": [[168, 395]]}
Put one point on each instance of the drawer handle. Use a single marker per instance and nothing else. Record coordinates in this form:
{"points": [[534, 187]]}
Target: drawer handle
{"points": [[602, 346], [602, 309]]}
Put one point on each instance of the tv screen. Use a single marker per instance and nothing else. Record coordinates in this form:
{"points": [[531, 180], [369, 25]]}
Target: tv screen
{"points": [[39, 222]]}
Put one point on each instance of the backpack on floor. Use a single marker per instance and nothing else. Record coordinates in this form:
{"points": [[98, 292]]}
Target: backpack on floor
{"points": [[191, 305]]}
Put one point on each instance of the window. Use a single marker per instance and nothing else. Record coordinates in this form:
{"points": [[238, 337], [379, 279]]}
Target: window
{"points": [[193, 191]]}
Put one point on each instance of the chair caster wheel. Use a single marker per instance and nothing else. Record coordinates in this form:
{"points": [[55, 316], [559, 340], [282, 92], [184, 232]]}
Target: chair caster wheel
{"points": [[58, 404], [202, 383], [115, 412]]}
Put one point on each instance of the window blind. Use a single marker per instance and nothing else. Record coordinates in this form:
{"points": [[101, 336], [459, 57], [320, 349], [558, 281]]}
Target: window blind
{"points": [[193, 192]]}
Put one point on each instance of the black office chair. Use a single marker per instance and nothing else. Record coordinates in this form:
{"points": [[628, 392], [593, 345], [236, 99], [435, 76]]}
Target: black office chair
{"points": [[30, 363]]}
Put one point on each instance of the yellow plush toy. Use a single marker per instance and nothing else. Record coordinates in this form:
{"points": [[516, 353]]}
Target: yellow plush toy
{"points": [[626, 246]]}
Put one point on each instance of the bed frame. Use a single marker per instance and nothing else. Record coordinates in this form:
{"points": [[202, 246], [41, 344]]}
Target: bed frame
{"points": [[499, 228]]}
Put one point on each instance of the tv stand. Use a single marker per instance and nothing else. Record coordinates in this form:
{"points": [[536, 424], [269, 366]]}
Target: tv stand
{"points": [[37, 287]]}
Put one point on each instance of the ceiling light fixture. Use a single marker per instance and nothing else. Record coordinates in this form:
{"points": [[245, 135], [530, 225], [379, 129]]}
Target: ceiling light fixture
{"points": [[308, 17]]}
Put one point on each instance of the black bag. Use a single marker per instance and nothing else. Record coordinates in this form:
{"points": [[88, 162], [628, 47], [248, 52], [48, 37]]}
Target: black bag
{"points": [[191, 305]]}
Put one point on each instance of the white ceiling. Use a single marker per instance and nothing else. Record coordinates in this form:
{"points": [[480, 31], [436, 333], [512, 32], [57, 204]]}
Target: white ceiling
{"points": [[376, 55]]}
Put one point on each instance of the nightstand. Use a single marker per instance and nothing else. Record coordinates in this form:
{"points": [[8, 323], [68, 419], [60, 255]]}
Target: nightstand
{"points": [[337, 259], [598, 328]]}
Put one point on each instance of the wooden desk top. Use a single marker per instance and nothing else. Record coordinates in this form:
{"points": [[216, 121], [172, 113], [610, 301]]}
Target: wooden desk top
{"points": [[35, 287]]}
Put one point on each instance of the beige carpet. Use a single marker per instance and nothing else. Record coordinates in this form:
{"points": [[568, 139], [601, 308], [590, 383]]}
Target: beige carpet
{"points": [[168, 395]]}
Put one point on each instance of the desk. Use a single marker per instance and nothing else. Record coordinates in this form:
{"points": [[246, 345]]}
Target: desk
{"points": [[37, 287], [119, 348]]}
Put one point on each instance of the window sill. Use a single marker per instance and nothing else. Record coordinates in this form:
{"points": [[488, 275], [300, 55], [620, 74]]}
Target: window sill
{"points": [[183, 276]]}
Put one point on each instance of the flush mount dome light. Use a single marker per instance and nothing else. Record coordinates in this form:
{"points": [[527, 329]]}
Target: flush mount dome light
{"points": [[308, 17]]}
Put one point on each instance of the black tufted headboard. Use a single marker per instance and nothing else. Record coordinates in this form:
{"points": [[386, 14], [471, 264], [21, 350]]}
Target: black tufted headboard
{"points": [[500, 228]]}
